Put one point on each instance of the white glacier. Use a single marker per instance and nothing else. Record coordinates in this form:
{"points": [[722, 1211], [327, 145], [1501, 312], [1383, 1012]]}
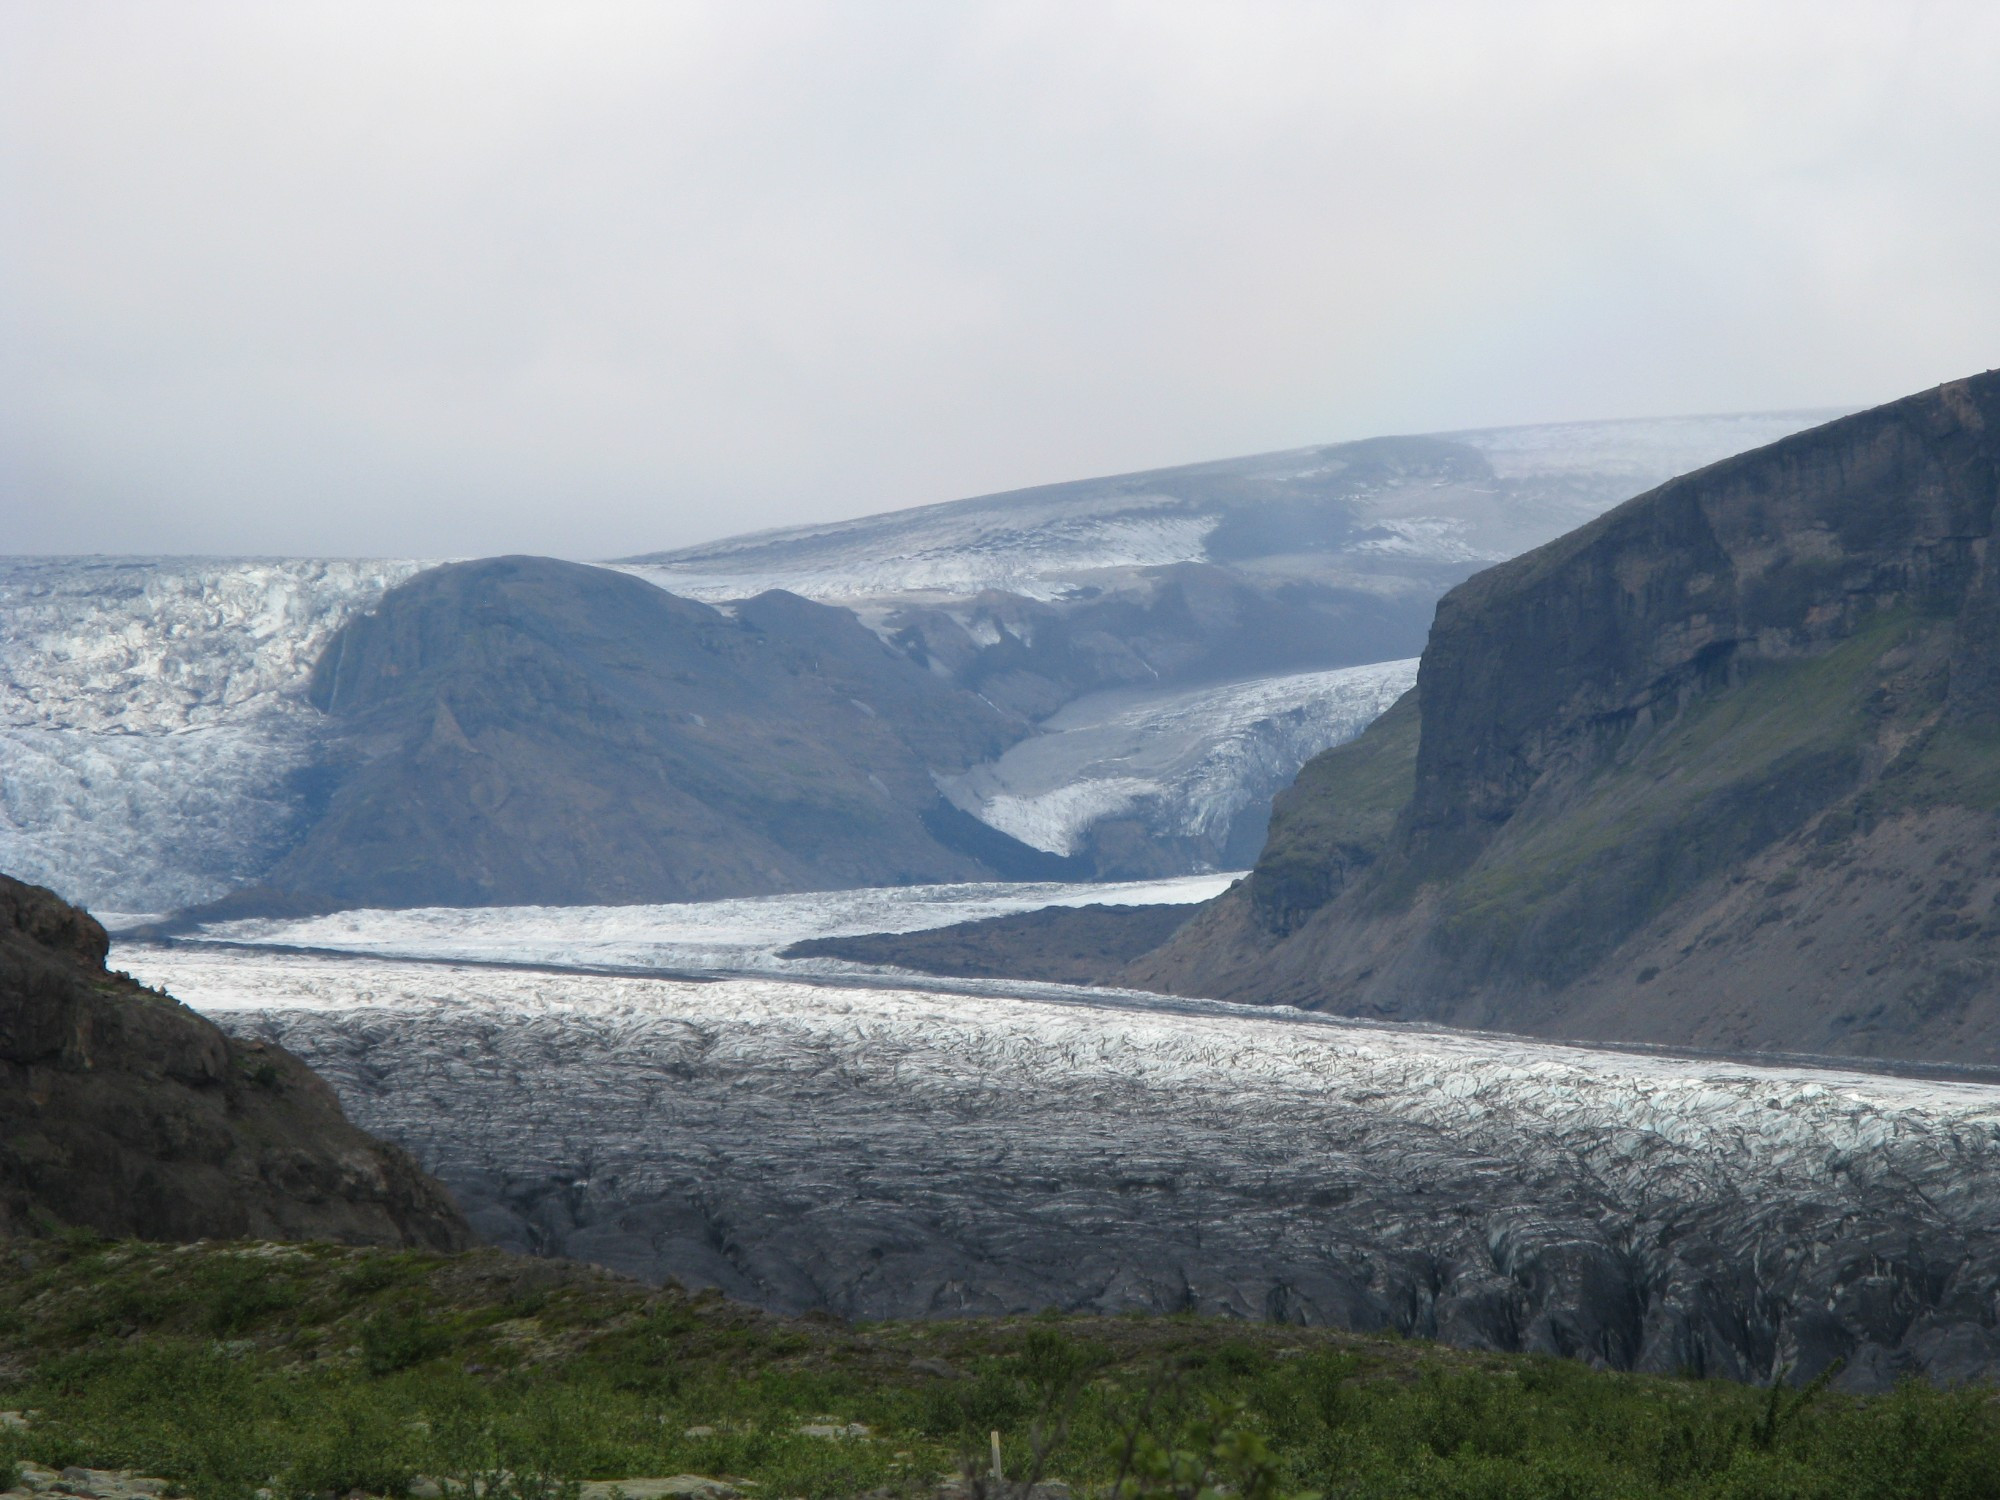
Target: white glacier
{"points": [[1186, 763], [882, 1149], [152, 715], [1044, 543], [1641, 450], [1038, 553], [743, 935]]}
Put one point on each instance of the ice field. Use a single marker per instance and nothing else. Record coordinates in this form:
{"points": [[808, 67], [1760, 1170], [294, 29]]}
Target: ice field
{"points": [[736, 936]]}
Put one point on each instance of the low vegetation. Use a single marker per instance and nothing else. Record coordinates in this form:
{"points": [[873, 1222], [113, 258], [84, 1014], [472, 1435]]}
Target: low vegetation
{"points": [[1336, 819], [311, 1370], [1741, 768]]}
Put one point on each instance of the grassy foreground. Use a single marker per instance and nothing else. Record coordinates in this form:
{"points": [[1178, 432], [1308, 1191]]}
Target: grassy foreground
{"points": [[311, 1370]]}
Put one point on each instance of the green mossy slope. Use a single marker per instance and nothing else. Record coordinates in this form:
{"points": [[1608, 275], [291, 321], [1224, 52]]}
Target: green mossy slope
{"points": [[1336, 819], [311, 1370], [1720, 768], [1739, 769]]}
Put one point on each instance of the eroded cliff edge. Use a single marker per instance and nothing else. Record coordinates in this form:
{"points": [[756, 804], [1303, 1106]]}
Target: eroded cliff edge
{"points": [[123, 1111], [1720, 768]]}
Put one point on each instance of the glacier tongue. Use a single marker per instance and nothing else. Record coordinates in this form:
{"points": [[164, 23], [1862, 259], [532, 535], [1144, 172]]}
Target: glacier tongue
{"points": [[152, 717], [740, 935], [1186, 764], [153, 729], [883, 1151]]}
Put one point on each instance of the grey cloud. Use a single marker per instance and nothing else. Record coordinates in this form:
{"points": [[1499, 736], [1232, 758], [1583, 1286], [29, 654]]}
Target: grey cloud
{"points": [[602, 278]]}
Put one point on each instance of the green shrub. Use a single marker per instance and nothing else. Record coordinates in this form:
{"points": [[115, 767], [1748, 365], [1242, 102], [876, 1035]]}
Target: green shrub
{"points": [[1218, 1457], [395, 1338], [240, 1292], [465, 1377]]}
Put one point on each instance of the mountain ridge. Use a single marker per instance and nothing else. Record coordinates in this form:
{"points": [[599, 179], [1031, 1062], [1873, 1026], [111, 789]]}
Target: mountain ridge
{"points": [[1716, 768], [521, 730], [163, 752]]}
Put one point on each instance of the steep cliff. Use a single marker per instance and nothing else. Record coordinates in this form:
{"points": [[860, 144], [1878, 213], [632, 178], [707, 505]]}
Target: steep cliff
{"points": [[1721, 767], [123, 1111]]}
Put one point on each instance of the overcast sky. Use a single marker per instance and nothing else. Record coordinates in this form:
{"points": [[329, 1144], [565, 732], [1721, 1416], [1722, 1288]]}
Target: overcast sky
{"points": [[593, 279]]}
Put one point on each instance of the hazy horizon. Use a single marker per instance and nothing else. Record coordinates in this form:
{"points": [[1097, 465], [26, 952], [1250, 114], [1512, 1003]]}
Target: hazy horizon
{"points": [[1824, 413], [617, 278]]}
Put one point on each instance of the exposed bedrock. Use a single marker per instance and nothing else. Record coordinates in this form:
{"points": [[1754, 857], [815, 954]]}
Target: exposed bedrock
{"points": [[1059, 944], [123, 1111], [161, 751], [522, 730], [1721, 766]]}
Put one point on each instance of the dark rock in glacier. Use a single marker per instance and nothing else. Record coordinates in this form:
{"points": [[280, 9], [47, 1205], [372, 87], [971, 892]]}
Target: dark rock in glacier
{"points": [[523, 730], [1061, 944]]}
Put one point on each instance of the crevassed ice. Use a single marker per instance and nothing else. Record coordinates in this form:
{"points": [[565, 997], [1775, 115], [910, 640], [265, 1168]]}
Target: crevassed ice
{"points": [[152, 716], [1058, 820], [888, 1151], [1187, 762], [1706, 1108]]}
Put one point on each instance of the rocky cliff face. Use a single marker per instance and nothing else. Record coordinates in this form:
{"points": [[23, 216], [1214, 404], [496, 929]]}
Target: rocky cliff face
{"points": [[123, 1111], [1720, 767], [522, 730]]}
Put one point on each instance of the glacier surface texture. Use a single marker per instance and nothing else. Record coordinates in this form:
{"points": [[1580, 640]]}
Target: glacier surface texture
{"points": [[1537, 482], [876, 1149], [1195, 768], [153, 723], [733, 937]]}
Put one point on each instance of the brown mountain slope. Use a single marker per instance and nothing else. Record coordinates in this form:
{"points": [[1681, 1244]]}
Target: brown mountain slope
{"points": [[1720, 768], [123, 1111]]}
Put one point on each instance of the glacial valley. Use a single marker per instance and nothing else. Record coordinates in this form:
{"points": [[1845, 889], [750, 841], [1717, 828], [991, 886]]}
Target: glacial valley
{"points": [[1168, 648], [876, 1145]]}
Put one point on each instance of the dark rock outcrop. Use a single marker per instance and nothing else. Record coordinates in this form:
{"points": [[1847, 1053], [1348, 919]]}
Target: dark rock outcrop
{"points": [[124, 1112], [1721, 767], [1058, 944], [1181, 623], [522, 730]]}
